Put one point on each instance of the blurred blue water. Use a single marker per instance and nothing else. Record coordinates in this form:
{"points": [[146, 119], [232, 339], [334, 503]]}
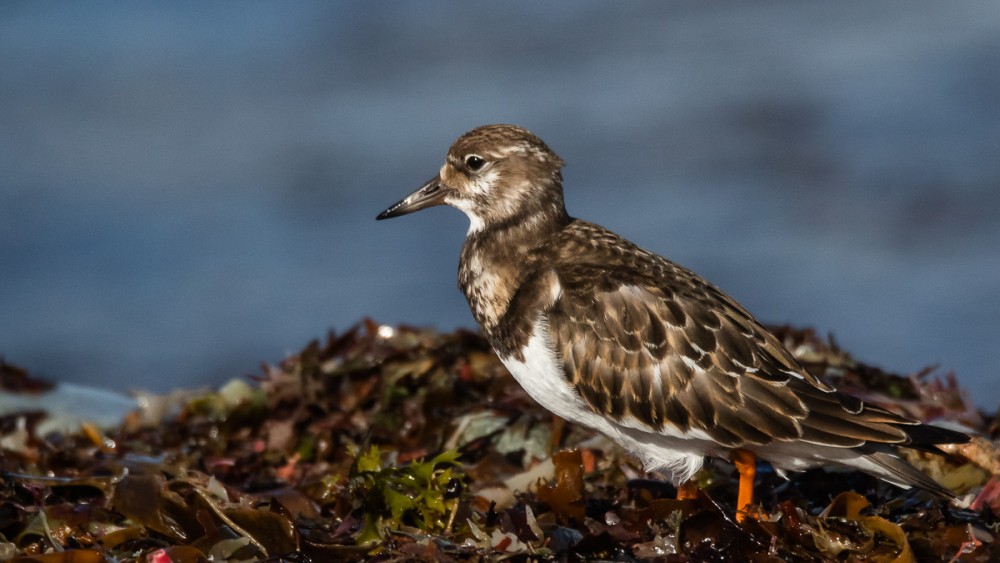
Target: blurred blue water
{"points": [[188, 189]]}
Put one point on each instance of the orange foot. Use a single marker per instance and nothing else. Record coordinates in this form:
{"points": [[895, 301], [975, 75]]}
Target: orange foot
{"points": [[746, 465]]}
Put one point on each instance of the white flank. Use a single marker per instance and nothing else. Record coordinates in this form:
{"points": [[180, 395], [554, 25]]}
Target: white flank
{"points": [[542, 377], [680, 455]]}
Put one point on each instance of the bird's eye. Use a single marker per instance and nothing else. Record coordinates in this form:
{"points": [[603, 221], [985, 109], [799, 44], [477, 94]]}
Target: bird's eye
{"points": [[474, 162]]}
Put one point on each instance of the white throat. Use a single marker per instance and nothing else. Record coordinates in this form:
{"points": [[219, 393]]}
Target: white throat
{"points": [[476, 222]]}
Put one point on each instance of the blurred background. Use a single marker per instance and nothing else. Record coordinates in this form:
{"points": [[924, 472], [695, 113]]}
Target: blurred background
{"points": [[188, 189]]}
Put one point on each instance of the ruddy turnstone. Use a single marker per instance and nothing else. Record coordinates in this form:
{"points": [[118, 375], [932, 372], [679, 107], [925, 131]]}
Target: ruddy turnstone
{"points": [[617, 338]]}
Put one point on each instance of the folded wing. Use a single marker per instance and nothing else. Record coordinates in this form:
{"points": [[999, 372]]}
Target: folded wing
{"points": [[684, 356]]}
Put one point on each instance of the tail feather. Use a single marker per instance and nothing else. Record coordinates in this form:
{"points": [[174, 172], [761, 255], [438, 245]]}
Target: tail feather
{"points": [[926, 437], [923, 437], [899, 472]]}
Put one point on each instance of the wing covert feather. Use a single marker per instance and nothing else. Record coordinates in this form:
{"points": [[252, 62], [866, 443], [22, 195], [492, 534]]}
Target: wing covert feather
{"points": [[667, 361], [675, 361]]}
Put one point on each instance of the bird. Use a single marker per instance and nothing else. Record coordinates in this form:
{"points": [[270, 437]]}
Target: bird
{"points": [[621, 340]]}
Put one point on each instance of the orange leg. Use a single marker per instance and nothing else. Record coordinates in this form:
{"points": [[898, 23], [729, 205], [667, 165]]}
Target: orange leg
{"points": [[687, 490], [558, 426], [746, 465]]}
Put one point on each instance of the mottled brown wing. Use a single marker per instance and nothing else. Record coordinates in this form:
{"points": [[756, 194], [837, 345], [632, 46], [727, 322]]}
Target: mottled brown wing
{"points": [[687, 357]]}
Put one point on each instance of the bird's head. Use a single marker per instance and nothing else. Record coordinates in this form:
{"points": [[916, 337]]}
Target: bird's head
{"points": [[494, 174]]}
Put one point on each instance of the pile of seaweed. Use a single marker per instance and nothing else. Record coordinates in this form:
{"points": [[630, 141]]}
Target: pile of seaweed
{"points": [[403, 444]]}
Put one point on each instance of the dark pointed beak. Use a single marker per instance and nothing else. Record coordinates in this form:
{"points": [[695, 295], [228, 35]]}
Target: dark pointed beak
{"points": [[430, 194]]}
